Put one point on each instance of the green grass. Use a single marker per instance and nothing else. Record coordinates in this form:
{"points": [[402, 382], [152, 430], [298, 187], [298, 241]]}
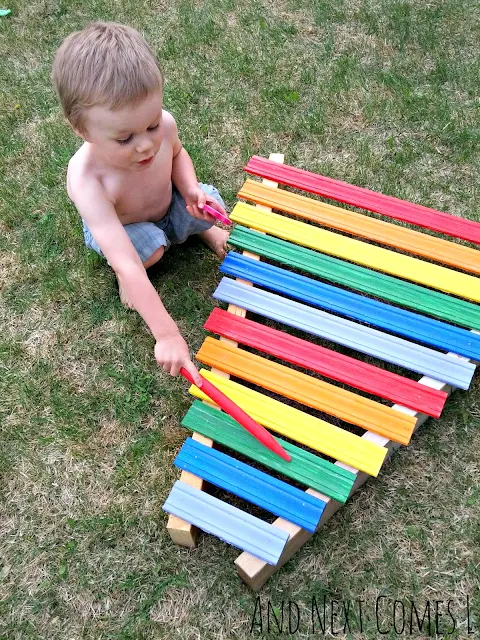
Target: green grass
{"points": [[381, 93]]}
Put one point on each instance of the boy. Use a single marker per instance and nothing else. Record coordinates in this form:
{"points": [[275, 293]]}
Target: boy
{"points": [[132, 182]]}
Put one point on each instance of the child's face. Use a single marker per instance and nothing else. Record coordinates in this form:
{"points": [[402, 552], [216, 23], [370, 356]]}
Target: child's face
{"points": [[127, 138]]}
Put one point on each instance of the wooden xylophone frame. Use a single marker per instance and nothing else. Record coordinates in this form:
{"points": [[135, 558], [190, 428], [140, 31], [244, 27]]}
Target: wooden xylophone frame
{"points": [[253, 571]]}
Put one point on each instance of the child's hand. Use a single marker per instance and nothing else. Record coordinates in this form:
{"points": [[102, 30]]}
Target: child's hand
{"points": [[195, 200], [172, 354]]}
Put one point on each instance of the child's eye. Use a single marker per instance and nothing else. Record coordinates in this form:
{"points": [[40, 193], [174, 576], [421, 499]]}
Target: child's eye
{"points": [[125, 140], [154, 128]]}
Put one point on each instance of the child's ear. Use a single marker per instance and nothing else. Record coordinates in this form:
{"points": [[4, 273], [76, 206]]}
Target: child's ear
{"points": [[81, 134], [77, 132]]}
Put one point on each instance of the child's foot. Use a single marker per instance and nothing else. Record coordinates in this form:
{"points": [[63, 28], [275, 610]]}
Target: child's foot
{"points": [[123, 298], [216, 239]]}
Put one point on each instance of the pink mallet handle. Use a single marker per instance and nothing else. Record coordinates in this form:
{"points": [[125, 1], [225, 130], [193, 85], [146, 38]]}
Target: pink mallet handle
{"points": [[216, 214], [238, 414]]}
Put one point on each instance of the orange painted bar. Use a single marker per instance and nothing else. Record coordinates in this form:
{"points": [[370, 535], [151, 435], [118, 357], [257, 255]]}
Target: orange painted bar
{"points": [[328, 363], [309, 391], [357, 224]]}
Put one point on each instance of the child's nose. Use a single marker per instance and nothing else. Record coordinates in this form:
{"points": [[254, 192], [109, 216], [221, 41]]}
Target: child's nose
{"points": [[144, 145]]}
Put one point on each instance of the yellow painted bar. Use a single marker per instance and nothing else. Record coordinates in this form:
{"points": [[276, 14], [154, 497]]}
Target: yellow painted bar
{"points": [[297, 425], [369, 255], [357, 224]]}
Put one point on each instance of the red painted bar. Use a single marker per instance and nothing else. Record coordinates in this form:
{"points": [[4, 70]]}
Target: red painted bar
{"points": [[365, 199], [329, 363]]}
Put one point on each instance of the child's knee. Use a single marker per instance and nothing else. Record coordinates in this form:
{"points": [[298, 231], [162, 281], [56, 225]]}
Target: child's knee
{"points": [[155, 257]]}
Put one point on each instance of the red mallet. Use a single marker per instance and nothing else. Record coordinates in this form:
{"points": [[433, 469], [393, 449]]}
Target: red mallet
{"points": [[238, 414], [216, 214]]}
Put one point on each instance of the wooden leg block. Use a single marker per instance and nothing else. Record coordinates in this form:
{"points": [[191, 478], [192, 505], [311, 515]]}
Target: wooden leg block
{"points": [[182, 532], [255, 572]]}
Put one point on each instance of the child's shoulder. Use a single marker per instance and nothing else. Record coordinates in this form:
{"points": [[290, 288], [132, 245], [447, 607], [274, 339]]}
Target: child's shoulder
{"points": [[81, 173], [168, 123], [167, 117]]}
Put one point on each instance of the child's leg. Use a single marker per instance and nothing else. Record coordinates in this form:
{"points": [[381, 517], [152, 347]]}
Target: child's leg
{"points": [[149, 241], [178, 224]]}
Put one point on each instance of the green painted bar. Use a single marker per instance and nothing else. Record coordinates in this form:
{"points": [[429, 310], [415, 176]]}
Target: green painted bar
{"points": [[305, 467], [358, 278]]}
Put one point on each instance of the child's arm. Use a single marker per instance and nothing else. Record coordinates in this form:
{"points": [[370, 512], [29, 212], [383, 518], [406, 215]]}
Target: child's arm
{"points": [[185, 179], [171, 350]]}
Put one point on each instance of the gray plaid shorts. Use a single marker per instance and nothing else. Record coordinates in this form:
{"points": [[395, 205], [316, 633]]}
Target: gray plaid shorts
{"points": [[174, 228]]}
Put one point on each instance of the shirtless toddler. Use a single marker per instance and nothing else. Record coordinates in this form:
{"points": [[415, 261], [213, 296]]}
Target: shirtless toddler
{"points": [[132, 182]]}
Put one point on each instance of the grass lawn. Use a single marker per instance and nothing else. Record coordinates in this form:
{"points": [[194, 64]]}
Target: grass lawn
{"points": [[380, 93]]}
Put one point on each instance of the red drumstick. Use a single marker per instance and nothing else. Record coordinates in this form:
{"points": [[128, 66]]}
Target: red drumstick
{"points": [[238, 414], [216, 214]]}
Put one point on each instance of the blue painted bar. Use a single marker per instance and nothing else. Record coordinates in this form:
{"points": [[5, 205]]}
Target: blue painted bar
{"points": [[406, 323], [228, 523], [249, 483], [439, 366]]}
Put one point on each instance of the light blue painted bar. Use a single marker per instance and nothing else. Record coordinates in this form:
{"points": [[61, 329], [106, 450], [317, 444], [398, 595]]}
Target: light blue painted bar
{"points": [[258, 487], [440, 366], [406, 323], [228, 523]]}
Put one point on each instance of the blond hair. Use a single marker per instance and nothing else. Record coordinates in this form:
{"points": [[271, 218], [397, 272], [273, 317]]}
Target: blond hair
{"points": [[106, 64]]}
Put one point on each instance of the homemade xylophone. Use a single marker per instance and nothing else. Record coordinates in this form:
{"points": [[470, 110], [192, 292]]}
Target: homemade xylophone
{"points": [[391, 305]]}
